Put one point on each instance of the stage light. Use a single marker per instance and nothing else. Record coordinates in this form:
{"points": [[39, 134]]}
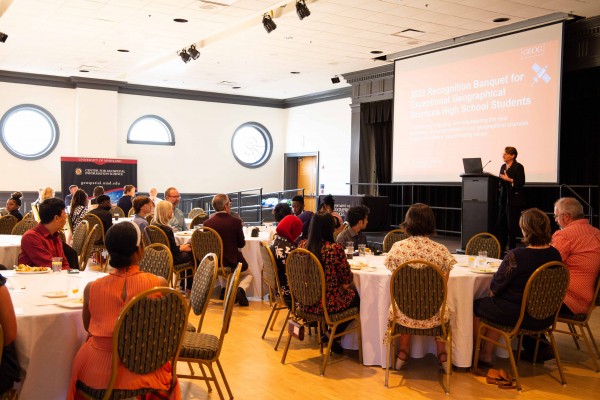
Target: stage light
{"points": [[3, 37], [185, 57], [301, 9], [268, 23], [193, 52], [335, 80]]}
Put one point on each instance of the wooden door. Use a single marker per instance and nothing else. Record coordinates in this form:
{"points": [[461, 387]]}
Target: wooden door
{"points": [[307, 179]]}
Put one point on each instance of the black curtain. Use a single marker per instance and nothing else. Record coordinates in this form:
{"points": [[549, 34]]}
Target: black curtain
{"points": [[375, 153]]}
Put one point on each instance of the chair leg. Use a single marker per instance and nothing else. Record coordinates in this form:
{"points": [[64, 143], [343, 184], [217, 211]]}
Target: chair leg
{"points": [[477, 347], [287, 346], [205, 378], [563, 381], [574, 335], [224, 379], [592, 339], [269, 321], [214, 378], [519, 349], [360, 352], [328, 351], [537, 347], [589, 349], [513, 365], [389, 360], [275, 316], [285, 322], [449, 360]]}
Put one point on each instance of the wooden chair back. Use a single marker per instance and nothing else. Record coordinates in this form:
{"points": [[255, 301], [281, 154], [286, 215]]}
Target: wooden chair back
{"points": [[204, 281], [7, 223], [392, 237], [158, 260], [156, 235], [483, 241], [23, 226], [80, 235]]}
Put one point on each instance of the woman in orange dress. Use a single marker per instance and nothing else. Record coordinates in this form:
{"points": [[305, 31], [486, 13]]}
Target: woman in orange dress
{"points": [[103, 300]]}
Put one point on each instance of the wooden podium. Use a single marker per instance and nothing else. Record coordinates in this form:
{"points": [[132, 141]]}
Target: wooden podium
{"points": [[479, 205]]}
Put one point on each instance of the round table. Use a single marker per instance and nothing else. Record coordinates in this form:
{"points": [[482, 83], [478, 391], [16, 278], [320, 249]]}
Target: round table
{"points": [[10, 247]]}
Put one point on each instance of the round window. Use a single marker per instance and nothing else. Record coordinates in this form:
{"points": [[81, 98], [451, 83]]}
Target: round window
{"points": [[252, 145], [28, 132]]}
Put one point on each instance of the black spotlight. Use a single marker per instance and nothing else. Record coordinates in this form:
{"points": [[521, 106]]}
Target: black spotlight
{"points": [[3, 37], [193, 52], [184, 56], [268, 23], [301, 9], [335, 80]]}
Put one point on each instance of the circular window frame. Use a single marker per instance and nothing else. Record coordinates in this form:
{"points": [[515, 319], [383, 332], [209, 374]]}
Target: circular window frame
{"points": [[159, 119], [266, 135], [55, 131]]}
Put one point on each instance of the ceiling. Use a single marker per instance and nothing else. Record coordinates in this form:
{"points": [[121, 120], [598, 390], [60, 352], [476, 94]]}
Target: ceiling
{"points": [[63, 37]]}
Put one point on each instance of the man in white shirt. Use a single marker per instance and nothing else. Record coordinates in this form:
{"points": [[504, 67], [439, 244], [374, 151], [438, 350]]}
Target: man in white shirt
{"points": [[153, 194]]}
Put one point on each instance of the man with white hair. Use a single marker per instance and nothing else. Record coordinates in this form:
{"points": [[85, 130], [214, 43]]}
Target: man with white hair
{"points": [[153, 194], [232, 235]]}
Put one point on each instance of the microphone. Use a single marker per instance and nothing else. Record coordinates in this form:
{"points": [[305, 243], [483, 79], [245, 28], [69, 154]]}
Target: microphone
{"points": [[485, 165]]}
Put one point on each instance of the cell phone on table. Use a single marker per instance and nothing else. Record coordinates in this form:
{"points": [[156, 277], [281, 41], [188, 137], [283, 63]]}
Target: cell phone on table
{"points": [[73, 271]]}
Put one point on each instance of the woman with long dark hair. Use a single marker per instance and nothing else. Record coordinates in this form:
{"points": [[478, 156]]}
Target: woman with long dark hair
{"points": [[78, 208]]}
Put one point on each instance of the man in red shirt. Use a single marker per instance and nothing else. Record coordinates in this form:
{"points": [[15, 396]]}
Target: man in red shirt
{"points": [[40, 244]]}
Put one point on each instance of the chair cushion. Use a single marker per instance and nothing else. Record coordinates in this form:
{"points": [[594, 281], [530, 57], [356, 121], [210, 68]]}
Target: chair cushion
{"points": [[573, 317], [350, 312], [116, 394], [508, 328], [435, 331], [181, 267], [201, 346]]}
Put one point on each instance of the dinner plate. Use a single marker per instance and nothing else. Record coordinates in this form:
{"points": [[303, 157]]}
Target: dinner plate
{"points": [[35, 272], [465, 265], [494, 264], [56, 294], [71, 303], [483, 270]]}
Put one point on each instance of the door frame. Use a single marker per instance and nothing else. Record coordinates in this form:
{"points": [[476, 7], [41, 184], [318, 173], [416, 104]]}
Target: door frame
{"points": [[290, 170]]}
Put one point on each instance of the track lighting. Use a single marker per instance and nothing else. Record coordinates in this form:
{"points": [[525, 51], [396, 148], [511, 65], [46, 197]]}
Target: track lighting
{"points": [[3, 37], [335, 79], [301, 9], [268, 23], [185, 57], [193, 52]]}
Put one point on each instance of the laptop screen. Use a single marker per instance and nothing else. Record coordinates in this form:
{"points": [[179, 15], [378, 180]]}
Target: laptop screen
{"points": [[472, 165]]}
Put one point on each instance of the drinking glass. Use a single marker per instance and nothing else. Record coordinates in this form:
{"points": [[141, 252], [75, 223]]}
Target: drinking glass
{"points": [[349, 250], [482, 258], [362, 249], [56, 264]]}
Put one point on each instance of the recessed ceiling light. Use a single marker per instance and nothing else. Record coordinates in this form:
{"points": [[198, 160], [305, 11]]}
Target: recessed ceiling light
{"points": [[376, 52], [501, 19], [123, 51], [181, 20], [83, 70], [295, 72]]}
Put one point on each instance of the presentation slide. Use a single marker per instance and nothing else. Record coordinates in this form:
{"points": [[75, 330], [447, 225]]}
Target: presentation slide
{"points": [[473, 101]]}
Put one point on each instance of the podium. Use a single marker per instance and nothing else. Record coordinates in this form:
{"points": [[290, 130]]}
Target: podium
{"points": [[479, 205]]}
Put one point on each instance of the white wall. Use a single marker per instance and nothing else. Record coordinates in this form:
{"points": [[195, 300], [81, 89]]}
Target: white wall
{"points": [[94, 123], [324, 127]]}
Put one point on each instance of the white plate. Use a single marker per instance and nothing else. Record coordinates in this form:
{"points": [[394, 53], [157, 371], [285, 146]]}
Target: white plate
{"points": [[494, 264], [464, 265], [484, 270], [35, 272], [56, 294], [71, 303]]}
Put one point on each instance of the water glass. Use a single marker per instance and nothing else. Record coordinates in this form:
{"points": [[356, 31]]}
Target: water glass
{"points": [[362, 249], [482, 258], [471, 261], [56, 264], [349, 250], [116, 215]]}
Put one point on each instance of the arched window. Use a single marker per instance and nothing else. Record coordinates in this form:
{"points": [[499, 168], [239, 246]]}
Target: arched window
{"points": [[252, 145], [151, 129], [28, 132]]}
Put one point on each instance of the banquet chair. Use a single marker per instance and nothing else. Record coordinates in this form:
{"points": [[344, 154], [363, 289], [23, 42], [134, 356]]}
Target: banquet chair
{"points": [[153, 234], [196, 211], [23, 226], [79, 236], [149, 218], [11, 394], [419, 290], [392, 237], [117, 210], [483, 241], [158, 260], [271, 279], [306, 280], [207, 240], [198, 220], [88, 245], [582, 321], [147, 335], [205, 349], [29, 215], [204, 281], [542, 299], [98, 240], [3, 211], [7, 223], [131, 212]]}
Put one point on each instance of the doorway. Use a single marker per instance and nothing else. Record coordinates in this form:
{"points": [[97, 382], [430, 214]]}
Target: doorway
{"points": [[301, 170]]}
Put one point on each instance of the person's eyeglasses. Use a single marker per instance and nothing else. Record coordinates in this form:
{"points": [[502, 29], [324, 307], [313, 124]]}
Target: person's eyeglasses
{"points": [[557, 216], [175, 197]]}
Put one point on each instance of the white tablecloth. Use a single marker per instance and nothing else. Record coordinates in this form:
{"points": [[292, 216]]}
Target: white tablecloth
{"points": [[10, 247], [251, 252], [374, 288], [48, 336]]}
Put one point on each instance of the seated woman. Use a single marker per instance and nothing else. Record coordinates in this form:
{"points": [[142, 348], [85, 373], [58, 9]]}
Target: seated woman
{"points": [[78, 208], [13, 204], [181, 253], [339, 293], [419, 222], [142, 206], [103, 300], [9, 365], [508, 284], [327, 206], [288, 230]]}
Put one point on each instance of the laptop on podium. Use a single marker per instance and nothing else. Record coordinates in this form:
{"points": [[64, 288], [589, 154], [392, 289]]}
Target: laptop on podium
{"points": [[472, 166]]}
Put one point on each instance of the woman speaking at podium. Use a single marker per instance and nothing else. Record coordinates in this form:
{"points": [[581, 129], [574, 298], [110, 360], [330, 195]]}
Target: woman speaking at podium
{"points": [[512, 201]]}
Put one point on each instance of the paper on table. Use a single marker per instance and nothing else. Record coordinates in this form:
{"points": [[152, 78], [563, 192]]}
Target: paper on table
{"points": [[19, 311]]}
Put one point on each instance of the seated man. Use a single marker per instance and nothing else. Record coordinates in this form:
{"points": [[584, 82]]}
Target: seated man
{"points": [[178, 221], [357, 218], [40, 244], [126, 201], [232, 235], [280, 211], [103, 211], [305, 216]]}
